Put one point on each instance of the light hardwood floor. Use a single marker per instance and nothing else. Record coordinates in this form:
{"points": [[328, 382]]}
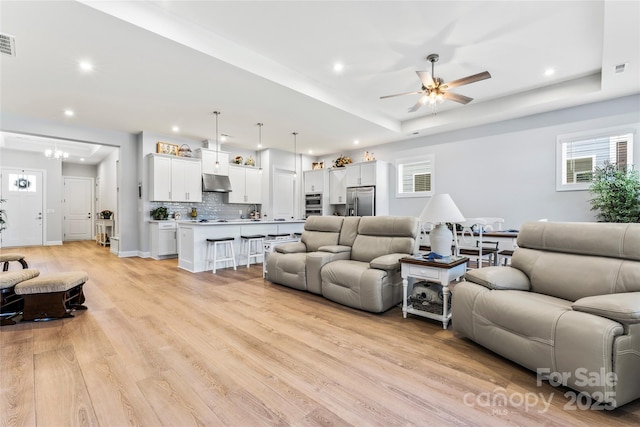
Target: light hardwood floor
{"points": [[159, 346]]}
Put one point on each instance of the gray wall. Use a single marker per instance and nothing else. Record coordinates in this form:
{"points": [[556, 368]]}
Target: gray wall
{"points": [[507, 169]]}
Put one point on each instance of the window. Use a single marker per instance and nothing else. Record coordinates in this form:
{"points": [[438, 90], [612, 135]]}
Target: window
{"points": [[415, 177], [579, 155], [22, 183]]}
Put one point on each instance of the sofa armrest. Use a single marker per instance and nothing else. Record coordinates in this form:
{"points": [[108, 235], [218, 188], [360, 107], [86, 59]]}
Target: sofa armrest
{"points": [[499, 278], [623, 307], [387, 262], [291, 248], [335, 249]]}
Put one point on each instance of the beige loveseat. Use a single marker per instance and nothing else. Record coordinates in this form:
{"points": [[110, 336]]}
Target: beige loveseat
{"points": [[567, 308], [349, 260]]}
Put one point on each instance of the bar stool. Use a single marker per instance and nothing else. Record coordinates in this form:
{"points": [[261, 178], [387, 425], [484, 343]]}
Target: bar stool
{"points": [[247, 242], [226, 244]]}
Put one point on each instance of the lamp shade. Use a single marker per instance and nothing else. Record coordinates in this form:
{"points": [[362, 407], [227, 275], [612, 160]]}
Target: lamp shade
{"points": [[441, 209]]}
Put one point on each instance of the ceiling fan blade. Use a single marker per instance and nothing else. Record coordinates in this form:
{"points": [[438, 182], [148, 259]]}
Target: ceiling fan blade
{"points": [[457, 98], [423, 99], [466, 80], [426, 79], [415, 92]]}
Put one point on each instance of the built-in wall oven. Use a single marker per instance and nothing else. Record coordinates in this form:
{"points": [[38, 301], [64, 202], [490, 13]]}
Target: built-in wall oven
{"points": [[313, 204]]}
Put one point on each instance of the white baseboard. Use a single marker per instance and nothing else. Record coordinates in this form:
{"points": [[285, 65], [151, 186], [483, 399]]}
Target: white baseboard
{"points": [[127, 254], [53, 243]]}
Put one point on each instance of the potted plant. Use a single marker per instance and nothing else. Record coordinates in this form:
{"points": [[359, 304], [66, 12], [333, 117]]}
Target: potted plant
{"points": [[160, 213], [616, 193]]}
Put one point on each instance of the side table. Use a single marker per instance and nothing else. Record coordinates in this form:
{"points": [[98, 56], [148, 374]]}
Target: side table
{"points": [[439, 271]]}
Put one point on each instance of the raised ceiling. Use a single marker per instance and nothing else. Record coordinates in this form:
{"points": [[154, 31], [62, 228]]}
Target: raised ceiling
{"points": [[159, 64]]}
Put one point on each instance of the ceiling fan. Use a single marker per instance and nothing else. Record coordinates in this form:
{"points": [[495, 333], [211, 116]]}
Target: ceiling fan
{"points": [[434, 89]]}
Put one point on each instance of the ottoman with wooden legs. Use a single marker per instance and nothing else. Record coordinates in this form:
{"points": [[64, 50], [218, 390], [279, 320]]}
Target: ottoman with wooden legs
{"points": [[11, 304], [52, 296], [6, 258]]}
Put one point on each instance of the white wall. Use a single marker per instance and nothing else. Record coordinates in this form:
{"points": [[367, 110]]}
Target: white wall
{"points": [[129, 156], [507, 169], [84, 171], [108, 186], [52, 178]]}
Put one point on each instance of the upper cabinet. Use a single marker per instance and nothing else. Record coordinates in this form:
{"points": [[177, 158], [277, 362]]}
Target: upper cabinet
{"points": [[209, 159], [337, 186], [174, 179], [316, 181], [246, 184], [365, 173]]}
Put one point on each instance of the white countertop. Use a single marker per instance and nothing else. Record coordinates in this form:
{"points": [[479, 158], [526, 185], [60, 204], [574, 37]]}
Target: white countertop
{"points": [[227, 222]]}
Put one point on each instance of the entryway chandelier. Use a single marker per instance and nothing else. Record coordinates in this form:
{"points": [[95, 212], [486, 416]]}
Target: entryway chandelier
{"points": [[56, 154]]}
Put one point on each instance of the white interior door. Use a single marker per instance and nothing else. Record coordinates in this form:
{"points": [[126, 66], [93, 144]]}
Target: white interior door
{"points": [[78, 212], [22, 190], [284, 198]]}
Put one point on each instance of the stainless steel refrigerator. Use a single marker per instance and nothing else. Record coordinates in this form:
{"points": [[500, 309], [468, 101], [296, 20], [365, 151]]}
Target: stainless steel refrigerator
{"points": [[361, 201]]}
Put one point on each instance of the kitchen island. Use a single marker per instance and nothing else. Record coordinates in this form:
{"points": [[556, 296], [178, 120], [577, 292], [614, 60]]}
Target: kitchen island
{"points": [[193, 235]]}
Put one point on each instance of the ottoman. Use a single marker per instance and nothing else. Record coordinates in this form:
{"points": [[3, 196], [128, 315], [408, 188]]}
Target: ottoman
{"points": [[52, 296], [10, 303]]}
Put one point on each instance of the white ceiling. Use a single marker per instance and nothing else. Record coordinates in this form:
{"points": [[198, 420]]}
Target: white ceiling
{"points": [[160, 64]]}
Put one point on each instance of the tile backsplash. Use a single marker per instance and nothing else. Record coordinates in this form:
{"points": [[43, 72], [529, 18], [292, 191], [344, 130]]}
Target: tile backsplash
{"points": [[213, 206]]}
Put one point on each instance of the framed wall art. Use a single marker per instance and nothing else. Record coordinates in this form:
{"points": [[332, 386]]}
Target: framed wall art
{"points": [[167, 148]]}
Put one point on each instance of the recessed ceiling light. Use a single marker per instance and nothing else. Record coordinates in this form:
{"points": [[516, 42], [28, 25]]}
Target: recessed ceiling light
{"points": [[82, 159], [85, 66], [310, 151], [549, 72], [175, 128], [338, 67], [69, 113], [356, 142]]}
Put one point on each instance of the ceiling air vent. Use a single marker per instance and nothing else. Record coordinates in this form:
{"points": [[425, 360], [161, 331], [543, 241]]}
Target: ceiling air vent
{"points": [[7, 44]]}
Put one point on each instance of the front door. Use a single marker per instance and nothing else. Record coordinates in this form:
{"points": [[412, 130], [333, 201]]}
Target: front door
{"points": [[22, 191], [78, 212]]}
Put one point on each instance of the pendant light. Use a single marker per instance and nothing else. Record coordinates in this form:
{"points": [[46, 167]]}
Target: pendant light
{"points": [[259, 152], [295, 154], [217, 113]]}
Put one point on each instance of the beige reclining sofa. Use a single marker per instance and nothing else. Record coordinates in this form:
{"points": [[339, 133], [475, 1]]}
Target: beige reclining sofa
{"points": [[568, 307], [349, 260]]}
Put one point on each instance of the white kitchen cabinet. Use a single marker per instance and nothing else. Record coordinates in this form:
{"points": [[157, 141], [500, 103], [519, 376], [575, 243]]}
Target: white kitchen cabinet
{"points": [[364, 174], [174, 179], [164, 241], [209, 158], [316, 181], [337, 186], [246, 184]]}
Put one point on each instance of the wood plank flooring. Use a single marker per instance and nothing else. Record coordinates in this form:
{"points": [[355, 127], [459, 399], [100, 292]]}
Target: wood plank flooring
{"points": [[159, 346]]}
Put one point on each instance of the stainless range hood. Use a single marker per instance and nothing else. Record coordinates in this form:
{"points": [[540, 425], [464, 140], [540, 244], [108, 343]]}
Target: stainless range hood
{"points": [[216, 183]]}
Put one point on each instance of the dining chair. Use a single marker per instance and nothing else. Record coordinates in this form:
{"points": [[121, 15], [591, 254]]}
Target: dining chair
{"points": [[472, 244]]}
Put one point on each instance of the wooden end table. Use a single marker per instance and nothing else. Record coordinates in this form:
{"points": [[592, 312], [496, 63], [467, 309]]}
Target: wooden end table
{"points": [[439, 271]]}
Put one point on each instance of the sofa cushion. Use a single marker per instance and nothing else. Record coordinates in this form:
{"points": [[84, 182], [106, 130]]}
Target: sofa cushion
{"points": [[387, 262], [291, 248], [499, 278], [321, 231], [354, 284], [287, 269], [335, 249], [623, 308], [384, 235], [597, 239], [572, 276], [349, 230], [518, 325]]}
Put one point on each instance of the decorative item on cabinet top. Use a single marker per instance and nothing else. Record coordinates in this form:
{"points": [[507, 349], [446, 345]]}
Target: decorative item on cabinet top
{"points": [[185, 151], [342, 161], [106, 214], [368, 157], [317, 165], [167, 148], [237, 160], [250, 162]]}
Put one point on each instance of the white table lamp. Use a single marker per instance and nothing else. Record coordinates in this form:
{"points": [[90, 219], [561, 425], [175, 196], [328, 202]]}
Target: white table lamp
{"points": [[440, 210]]}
